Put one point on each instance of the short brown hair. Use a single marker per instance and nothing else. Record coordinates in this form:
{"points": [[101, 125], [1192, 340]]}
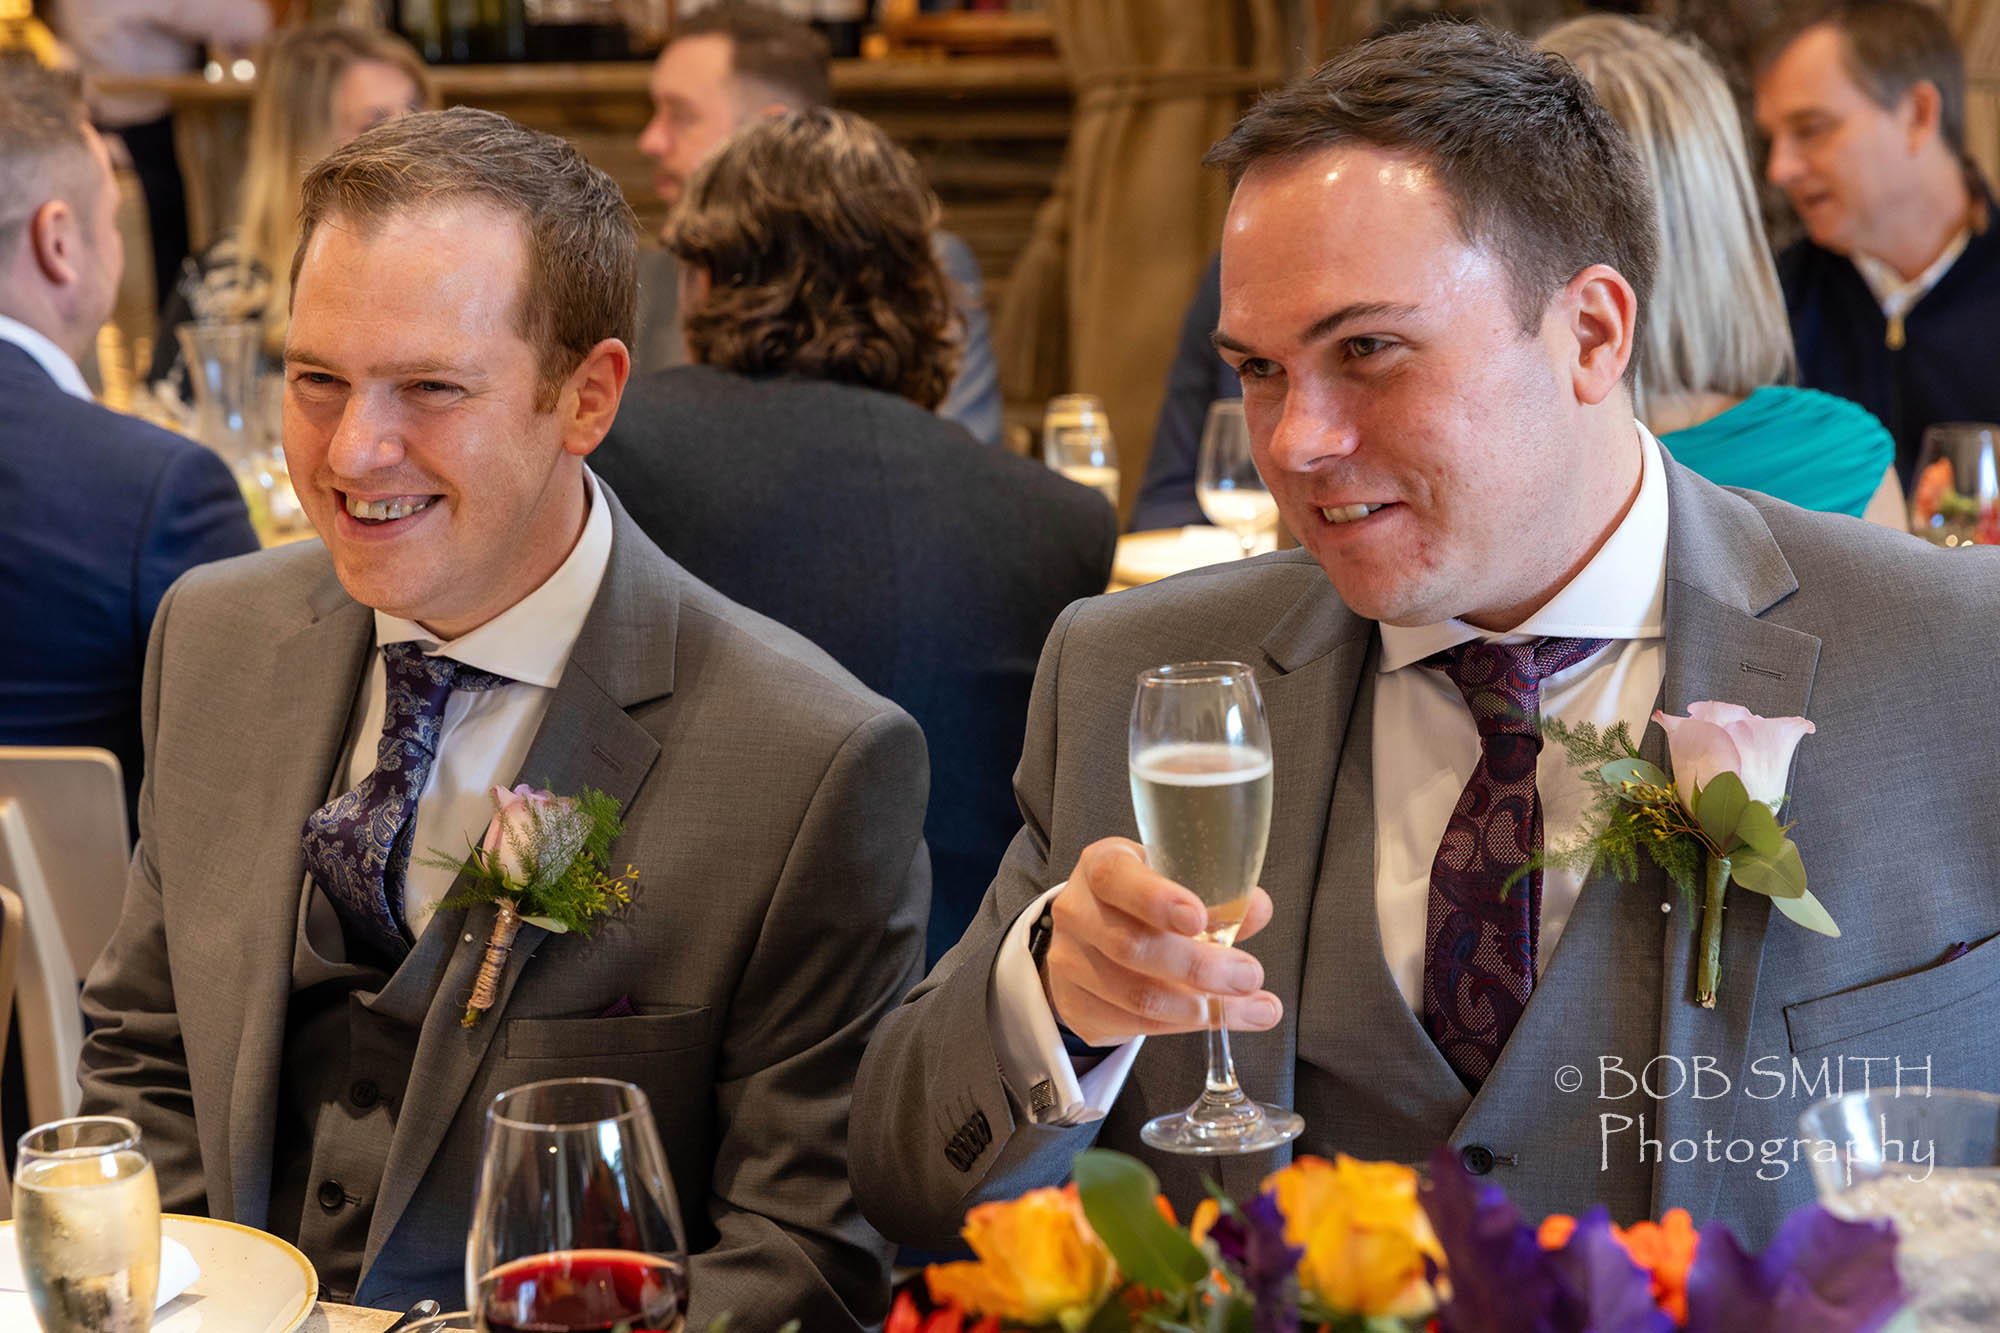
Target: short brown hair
{"points": [[815, 231], [582, 250], [1535, 168], [1889, 47], [770, 48], [44, 142]]}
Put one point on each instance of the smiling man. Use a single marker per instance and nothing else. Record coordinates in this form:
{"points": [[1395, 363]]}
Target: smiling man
{"points": [[280, 1007], [1434, 267], [1892, 293]]}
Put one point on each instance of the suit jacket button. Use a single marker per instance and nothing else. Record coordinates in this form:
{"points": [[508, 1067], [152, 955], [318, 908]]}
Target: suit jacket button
{"points": [[1477, 1157], [364, 1094], [331, 1195]]}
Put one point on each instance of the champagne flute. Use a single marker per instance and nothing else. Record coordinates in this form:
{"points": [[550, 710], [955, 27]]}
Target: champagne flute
{"points": [[1077, 442], [574, 1225], [1200, 755], [1227, 484], [1955, 498], [87, 1219]]}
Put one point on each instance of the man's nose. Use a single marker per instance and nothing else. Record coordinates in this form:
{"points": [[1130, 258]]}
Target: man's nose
{"points": [[1783, 168], [654, 139], [1310, 428], [364, 440]]}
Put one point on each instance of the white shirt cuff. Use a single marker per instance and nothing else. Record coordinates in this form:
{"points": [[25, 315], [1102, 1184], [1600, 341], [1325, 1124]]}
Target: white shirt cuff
{"points": [[1037, 1068]]}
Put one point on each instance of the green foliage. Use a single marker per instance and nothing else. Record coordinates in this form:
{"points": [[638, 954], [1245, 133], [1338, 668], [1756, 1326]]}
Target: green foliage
{"points": [[1806, 911], [1720, 806], [1780, 876], [1117, 1195], [573, 887]]}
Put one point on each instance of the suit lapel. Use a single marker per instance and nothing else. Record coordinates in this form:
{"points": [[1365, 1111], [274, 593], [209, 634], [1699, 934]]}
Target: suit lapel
{"points": [[314, 678], [1724, 570], [623, 657]]}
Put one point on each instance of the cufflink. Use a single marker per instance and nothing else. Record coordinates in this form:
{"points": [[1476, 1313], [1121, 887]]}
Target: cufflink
{"points": [[1041, 1098]]}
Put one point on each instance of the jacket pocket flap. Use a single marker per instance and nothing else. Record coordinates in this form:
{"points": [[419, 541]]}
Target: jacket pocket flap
{"points": [[677, 1029], [1856, 1013]]}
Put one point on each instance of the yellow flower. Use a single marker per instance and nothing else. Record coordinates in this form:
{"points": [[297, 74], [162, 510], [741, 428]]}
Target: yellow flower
{"points": [[1363, 1231], [1039, 1262]]}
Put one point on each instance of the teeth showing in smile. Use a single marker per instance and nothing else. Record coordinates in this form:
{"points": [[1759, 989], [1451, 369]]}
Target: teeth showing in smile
{"points": [[379, 511], [1348, 513]]}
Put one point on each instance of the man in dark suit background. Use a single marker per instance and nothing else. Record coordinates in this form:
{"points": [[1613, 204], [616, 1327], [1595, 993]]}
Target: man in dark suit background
{"points": [[799, 470], [99, 512]]}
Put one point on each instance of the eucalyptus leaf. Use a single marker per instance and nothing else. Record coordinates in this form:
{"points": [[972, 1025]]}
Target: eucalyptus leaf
{"points": [[1781, 877], [1806, 911], [548, 923], [1117, 1194], [1719, 808], [1760, 830], [1633, 770], [1111, 1317]]}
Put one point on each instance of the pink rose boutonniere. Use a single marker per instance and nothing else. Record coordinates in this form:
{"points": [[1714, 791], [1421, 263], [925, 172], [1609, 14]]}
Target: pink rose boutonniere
{"points": [[1713, 822], [543, 862]]}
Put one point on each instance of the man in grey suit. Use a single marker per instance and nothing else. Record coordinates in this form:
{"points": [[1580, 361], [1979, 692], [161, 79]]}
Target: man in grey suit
{"points": [[1433, 268], [279, 1008]]}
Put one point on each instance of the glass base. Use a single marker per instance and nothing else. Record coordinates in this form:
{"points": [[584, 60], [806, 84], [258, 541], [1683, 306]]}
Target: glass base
{"points": [[1219, 1124]]}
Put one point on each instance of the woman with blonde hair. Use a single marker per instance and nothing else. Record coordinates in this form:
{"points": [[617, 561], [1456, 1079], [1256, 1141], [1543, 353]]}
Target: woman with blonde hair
{"points": [[320, 85], [1715, 351]]}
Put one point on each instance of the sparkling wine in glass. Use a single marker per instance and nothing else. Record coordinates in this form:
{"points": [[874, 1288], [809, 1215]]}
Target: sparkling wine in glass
{"points": [[574, 1226], [1227, 485], [1200, 755], [87, 1219], [1077, 442]]}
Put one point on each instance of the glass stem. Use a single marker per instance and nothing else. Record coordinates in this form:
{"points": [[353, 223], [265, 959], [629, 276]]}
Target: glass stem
{"points": [[1221, 1068]]}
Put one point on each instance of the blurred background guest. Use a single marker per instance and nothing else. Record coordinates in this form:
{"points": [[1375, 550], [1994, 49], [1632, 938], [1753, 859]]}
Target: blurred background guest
{"points": [[322, 84], [1197, 377], [1715, 360], [799, 469], [99, 512], [727, 66], [1893, 290], [147, 37]]}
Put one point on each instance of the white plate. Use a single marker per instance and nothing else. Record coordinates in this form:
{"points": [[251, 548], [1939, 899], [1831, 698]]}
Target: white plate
{"points": [[250, 1282]]}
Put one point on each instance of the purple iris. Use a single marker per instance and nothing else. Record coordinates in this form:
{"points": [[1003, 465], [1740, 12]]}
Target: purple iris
{"points": [[1822, 1274], [1251, 1240]]}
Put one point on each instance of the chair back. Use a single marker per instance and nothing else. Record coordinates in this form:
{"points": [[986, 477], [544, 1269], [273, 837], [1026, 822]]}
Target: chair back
{"points": [[64, 851]]}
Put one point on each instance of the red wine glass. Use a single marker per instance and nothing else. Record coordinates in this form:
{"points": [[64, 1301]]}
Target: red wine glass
{"points": [[574, 1226]]}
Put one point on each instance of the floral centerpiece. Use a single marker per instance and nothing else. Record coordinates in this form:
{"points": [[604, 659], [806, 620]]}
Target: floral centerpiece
{"points": [[1367, 1247]]}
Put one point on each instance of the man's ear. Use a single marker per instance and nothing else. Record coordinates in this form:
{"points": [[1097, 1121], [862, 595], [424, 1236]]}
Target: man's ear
{"points": [[590, 396], [55, 238], [1922, 112], [1602, 313]]}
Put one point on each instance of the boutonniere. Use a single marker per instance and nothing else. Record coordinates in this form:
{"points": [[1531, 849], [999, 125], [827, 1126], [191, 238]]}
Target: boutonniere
{"points": [[543, 862], [1713, 822]]}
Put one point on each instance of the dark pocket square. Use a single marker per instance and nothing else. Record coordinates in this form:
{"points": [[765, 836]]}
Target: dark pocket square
{"points": [[620, 1008]]}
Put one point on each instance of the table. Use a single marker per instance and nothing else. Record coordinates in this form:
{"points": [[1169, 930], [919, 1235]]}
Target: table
{"points": [[327, 1318]]}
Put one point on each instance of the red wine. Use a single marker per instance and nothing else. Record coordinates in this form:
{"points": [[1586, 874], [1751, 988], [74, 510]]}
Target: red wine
{"points": [[584, 1291]]}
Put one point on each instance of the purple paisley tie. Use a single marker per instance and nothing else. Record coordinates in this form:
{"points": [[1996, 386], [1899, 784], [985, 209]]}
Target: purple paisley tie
{"points": [[1480, 947], [357, 846]]}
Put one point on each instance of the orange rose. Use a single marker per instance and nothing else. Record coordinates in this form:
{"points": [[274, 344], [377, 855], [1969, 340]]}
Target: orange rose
{"points": [[1039, 1262], [1665, 1249], [1363, 1231]]}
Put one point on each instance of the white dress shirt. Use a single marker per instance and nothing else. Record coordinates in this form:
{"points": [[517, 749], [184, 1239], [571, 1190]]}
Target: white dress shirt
{"points": [[1619, 595], [48, 356], [486, 733], [1896, 296]]}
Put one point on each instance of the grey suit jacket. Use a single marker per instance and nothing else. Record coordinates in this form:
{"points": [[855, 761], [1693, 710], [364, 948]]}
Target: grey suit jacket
{"points": [[774, 811], [1888, 644]]}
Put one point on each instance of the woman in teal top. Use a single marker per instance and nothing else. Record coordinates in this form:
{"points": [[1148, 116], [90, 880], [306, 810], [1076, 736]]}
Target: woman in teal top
{"points": [[1816, 450], [1716, 357]]}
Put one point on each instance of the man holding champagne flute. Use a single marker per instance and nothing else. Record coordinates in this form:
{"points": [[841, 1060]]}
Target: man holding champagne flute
{"points": [[1434, 267]]}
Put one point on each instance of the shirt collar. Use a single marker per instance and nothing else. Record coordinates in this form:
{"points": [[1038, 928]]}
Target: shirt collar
{"points": [[530, 641], [48, 356], [1896, 296], [1620, 594]]}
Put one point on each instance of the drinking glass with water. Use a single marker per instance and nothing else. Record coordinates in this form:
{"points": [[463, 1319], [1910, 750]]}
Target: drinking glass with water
{"points": [[87, 1220], [1200, 756]]}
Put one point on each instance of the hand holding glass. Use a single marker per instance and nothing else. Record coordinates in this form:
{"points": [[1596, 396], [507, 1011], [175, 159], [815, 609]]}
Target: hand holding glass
{"points": [[1227, 484], [574, 1225], [1200, 757], [87, 1219]]}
